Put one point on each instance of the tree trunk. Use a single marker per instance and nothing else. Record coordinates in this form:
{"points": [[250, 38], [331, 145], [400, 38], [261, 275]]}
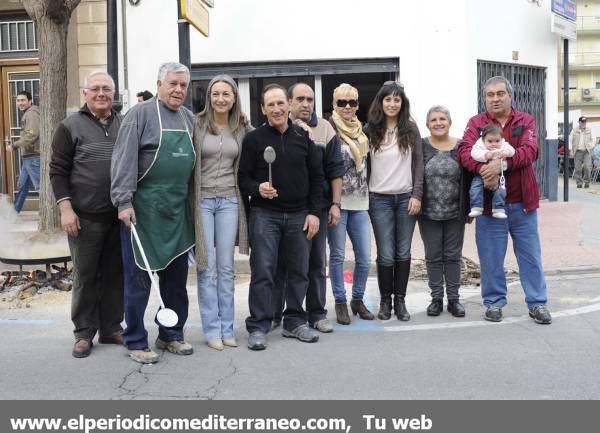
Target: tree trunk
{"points": [[51, 18], [53, 103]]}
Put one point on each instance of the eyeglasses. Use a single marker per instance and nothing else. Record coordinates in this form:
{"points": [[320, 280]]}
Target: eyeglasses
{"points": [[96, 89], [394, 83], [341, 103]]}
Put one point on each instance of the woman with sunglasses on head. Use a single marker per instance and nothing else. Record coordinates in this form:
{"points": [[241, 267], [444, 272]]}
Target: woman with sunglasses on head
{"points": [[354, 217], [444, 213], [220, 210], [395, 192]]}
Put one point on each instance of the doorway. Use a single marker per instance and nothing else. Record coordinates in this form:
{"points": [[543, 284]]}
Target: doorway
{"points": [[13, 80]]}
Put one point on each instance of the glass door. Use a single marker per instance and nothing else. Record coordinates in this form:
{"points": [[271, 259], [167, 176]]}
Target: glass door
{"points": [[14, 80]]}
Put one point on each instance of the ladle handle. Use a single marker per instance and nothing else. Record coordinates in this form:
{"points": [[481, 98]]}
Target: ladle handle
{"points": [[150, 273]]}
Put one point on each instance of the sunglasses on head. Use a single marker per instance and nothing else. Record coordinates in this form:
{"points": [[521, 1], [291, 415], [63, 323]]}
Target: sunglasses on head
{"points": [[394, 83], [353, 103]]}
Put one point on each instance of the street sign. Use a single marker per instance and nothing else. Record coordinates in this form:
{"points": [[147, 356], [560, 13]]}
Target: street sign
{"points": [[567, 29], [565, 8], [194, 12]]}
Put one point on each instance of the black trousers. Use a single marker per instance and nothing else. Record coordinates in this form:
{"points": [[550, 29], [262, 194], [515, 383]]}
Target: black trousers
{"points": [[443, 241], [97, 296]]}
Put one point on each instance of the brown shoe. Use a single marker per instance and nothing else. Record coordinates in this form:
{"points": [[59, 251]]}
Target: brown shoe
{"points": [[82, 347], [114, 338], [358, 307], [341, 313]]}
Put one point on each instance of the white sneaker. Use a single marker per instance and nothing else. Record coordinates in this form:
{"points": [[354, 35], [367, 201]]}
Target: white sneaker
{"points": [[500, 214], [475, 212]]}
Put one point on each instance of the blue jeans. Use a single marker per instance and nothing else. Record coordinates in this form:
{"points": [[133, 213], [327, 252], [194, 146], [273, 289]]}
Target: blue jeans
{"points": [[476, 194], [216, 282], [393, 227], [271, 232], [172, 283], [491, 235], [317, 285], [356, 224], [28, 177]]}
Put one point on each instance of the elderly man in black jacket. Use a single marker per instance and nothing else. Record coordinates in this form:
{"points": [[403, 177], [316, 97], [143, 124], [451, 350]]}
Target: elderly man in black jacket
{"points": [[80, 175]]}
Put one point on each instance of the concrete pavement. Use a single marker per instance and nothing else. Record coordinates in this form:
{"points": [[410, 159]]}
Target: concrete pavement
{"points": [[426, 358]]}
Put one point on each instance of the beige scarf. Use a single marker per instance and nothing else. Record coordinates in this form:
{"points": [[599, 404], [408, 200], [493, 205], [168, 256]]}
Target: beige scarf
{"points": [[352, 133]]}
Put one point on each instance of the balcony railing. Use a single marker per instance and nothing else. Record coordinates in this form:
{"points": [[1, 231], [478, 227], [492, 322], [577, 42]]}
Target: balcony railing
{"points": [[585, 59], [585, 96], [588, 23]]}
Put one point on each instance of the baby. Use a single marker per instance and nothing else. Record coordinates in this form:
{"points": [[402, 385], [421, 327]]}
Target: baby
{"points": [[490, 146]]}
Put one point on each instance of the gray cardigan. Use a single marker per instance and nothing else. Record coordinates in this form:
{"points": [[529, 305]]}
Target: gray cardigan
{"points": [[200, 131]]}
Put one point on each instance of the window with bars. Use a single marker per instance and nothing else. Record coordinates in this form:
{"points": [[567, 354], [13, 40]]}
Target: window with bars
{"points": [[18, 36]]}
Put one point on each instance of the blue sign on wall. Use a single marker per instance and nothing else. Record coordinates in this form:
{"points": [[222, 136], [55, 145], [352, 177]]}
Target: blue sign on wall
{"points": [[565, 8]]}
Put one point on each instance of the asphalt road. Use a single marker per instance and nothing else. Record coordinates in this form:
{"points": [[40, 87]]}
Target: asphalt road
{"points": [[426, 358]]}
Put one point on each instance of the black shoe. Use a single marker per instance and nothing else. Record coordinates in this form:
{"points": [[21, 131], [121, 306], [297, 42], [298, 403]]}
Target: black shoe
{"points": [[385, 308], [578, 185], [493, 314], [456, 308], [400, 309], [586, 185], [257, 340], [385, 280], [541, 315], [436, 307]]}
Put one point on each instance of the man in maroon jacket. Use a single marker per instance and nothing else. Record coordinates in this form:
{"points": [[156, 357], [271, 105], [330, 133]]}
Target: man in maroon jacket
{"points": [[522, 201]]}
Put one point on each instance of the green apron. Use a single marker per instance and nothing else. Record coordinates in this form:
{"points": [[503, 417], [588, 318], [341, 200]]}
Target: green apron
{"points": [[162, 212]]}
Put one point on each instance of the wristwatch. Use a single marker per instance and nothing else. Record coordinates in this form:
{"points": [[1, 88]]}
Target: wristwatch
{"points": [[335, 203]]}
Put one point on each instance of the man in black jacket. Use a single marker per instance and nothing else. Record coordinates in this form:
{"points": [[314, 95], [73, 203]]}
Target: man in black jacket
{"points": [[283, 216], [80, 176]]}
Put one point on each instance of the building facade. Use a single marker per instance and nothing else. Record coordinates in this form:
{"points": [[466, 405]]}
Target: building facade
{"points": [[584, 67], [19, 70]]}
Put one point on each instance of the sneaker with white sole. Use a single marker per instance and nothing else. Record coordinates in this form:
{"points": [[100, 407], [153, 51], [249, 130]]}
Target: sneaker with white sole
{"points": [[475, 212], [323, 325], [143, 356], [499, 213], [302, 333], [541, 315], [493, 314], [176, 347]]}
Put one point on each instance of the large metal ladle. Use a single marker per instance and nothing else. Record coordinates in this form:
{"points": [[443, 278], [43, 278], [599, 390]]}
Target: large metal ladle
{"points": [[164, 316], [269, 155]]}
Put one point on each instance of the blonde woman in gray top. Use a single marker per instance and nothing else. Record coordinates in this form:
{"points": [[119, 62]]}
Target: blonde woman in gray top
{"points": [[218, 133]]}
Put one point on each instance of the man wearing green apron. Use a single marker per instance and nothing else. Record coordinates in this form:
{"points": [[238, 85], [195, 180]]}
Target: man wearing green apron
{"points": [[152, 166]]}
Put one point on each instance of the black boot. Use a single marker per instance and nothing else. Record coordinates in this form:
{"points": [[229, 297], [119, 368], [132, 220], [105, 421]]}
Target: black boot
{"points": [[436, 307], [455, 308], [385, 279], [401, 274]]}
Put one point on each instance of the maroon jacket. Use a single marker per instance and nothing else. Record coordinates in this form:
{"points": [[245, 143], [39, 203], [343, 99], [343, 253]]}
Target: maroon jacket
{"points": [[521, 133]]}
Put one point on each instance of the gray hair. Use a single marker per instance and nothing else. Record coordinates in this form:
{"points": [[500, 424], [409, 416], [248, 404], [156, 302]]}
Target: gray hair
{"points": [[438, 109], [86, 80], [495, 80], [173, 67]]}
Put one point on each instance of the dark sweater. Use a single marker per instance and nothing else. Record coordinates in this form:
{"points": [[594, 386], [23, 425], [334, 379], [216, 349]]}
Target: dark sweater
{"points": [[297, 170], [80, 163]]}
